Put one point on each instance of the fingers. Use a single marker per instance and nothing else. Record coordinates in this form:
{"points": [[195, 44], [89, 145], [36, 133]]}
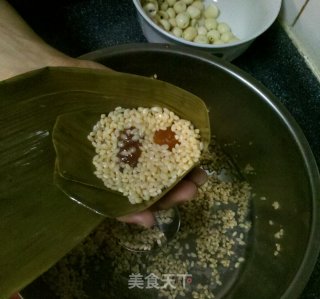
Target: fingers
{"points": [[186, 190], [182, 192], [144, 218], [197, 176]]}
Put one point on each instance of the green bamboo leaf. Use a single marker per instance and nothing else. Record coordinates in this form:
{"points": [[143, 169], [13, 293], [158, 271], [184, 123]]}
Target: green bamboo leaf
{"points": [[39, 223], [75, 152]]}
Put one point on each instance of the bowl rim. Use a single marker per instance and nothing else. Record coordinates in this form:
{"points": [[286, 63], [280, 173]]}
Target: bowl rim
{"points": [[312, 251], [240, 42]]}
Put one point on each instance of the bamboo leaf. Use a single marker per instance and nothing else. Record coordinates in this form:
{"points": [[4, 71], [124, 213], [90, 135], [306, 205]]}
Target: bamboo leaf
{"points": [[39, 223]]}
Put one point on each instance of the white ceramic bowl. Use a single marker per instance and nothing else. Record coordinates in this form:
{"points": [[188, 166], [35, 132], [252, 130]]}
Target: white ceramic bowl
{"points": [[247, 19]]}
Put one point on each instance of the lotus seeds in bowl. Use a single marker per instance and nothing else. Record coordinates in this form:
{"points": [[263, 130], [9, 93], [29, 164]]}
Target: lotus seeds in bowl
{"points": [[140, 152], [191, 20]]}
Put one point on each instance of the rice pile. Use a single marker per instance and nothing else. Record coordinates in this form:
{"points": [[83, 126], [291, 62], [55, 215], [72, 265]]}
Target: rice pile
{"points": [[132, 160]]}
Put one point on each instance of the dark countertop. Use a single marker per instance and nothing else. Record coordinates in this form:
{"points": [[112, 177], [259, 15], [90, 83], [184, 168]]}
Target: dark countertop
{"points": [[76, 27]]}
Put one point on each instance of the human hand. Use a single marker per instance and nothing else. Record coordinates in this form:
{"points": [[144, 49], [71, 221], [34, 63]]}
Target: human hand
{"points": [[184, 191], [15, 60], [22, 50]]}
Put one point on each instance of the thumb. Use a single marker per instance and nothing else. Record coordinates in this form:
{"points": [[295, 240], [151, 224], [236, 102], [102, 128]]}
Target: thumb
{"points": [[144, 218]]}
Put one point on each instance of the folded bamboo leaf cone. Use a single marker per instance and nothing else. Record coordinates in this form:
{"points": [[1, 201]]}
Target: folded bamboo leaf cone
{"points": [[89, 165]]}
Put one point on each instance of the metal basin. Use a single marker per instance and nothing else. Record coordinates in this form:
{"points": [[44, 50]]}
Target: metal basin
{"points": [[259, 131]]}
